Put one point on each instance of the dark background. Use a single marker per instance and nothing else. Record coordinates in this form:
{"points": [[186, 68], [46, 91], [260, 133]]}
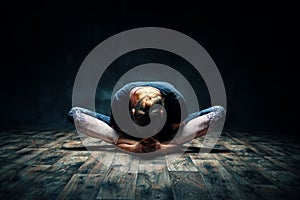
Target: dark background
{"points": [[252, 43]]}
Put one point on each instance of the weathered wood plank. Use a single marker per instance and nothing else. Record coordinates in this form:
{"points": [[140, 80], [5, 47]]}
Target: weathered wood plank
{"points": [[286, 181], [59, 174], [97, 163], [180, 163], [74, 157], [149, 165], [206, 156], [10, 145], [82, 186], [60, 138], [120, 181], [260, 145], [19, 187], [270, 149], [269, 192], [8, 172], [241, 171], [153, 184], [257, 167], [261, 162], [237, 172], [25, 154], [285, 163], [188, 185], [241, 150], [32, 182], [218, 180], [227, 138], [47, 157]]}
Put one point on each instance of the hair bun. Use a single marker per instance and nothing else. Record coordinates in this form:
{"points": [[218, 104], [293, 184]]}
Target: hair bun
{"points": [[142, 113]]}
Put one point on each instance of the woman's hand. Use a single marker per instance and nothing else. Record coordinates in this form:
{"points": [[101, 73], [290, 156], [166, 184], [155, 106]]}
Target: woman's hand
{"points": [[149, 145], [146, 145]]}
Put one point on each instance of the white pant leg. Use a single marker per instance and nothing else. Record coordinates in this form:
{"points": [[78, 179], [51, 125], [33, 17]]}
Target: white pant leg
{"points": [[93, 127], [194, 127]]}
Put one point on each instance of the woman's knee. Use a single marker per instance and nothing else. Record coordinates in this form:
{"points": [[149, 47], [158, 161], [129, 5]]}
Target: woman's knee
{"points": [[219, 110], [216, 117], [71, 111]]}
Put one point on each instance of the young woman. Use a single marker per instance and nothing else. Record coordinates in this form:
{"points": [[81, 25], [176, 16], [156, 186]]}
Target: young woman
{"points": [[146, 103]]}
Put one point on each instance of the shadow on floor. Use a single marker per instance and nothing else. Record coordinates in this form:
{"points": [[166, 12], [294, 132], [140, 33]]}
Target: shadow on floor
{"points": [[214, 150], [109, 148]]}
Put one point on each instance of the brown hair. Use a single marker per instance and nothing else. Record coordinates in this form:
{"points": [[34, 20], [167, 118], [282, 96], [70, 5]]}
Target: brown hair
{"points": [[141, 115]]}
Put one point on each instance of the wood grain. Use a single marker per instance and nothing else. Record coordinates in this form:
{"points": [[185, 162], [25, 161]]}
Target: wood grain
{"points": [[82, 186], [154, 185], [120, 181], [242, 166], [188, 185]]}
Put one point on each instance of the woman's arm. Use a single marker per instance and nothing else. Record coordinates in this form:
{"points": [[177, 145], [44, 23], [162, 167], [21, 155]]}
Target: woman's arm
{"points": [[128, 144], [135, 148]]}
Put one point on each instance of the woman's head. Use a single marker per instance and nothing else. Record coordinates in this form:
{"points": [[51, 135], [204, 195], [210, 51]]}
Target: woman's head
{"points": [[146, 107]]}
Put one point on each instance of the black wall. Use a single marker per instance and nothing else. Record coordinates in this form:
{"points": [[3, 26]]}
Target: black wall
{"points": [[252, 43]]}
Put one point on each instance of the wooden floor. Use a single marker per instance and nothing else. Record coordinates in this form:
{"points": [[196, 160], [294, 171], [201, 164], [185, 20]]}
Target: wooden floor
{"points": [[241, 166]]}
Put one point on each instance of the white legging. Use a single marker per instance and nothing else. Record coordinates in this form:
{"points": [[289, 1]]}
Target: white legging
{"points": [[88, 122]]}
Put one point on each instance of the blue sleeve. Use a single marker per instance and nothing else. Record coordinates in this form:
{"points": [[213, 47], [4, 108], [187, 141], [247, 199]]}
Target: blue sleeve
{"points": [[176, 108]]}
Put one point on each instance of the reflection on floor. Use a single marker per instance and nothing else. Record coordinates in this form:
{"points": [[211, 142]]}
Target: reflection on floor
{"points": [[241, 166]]}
